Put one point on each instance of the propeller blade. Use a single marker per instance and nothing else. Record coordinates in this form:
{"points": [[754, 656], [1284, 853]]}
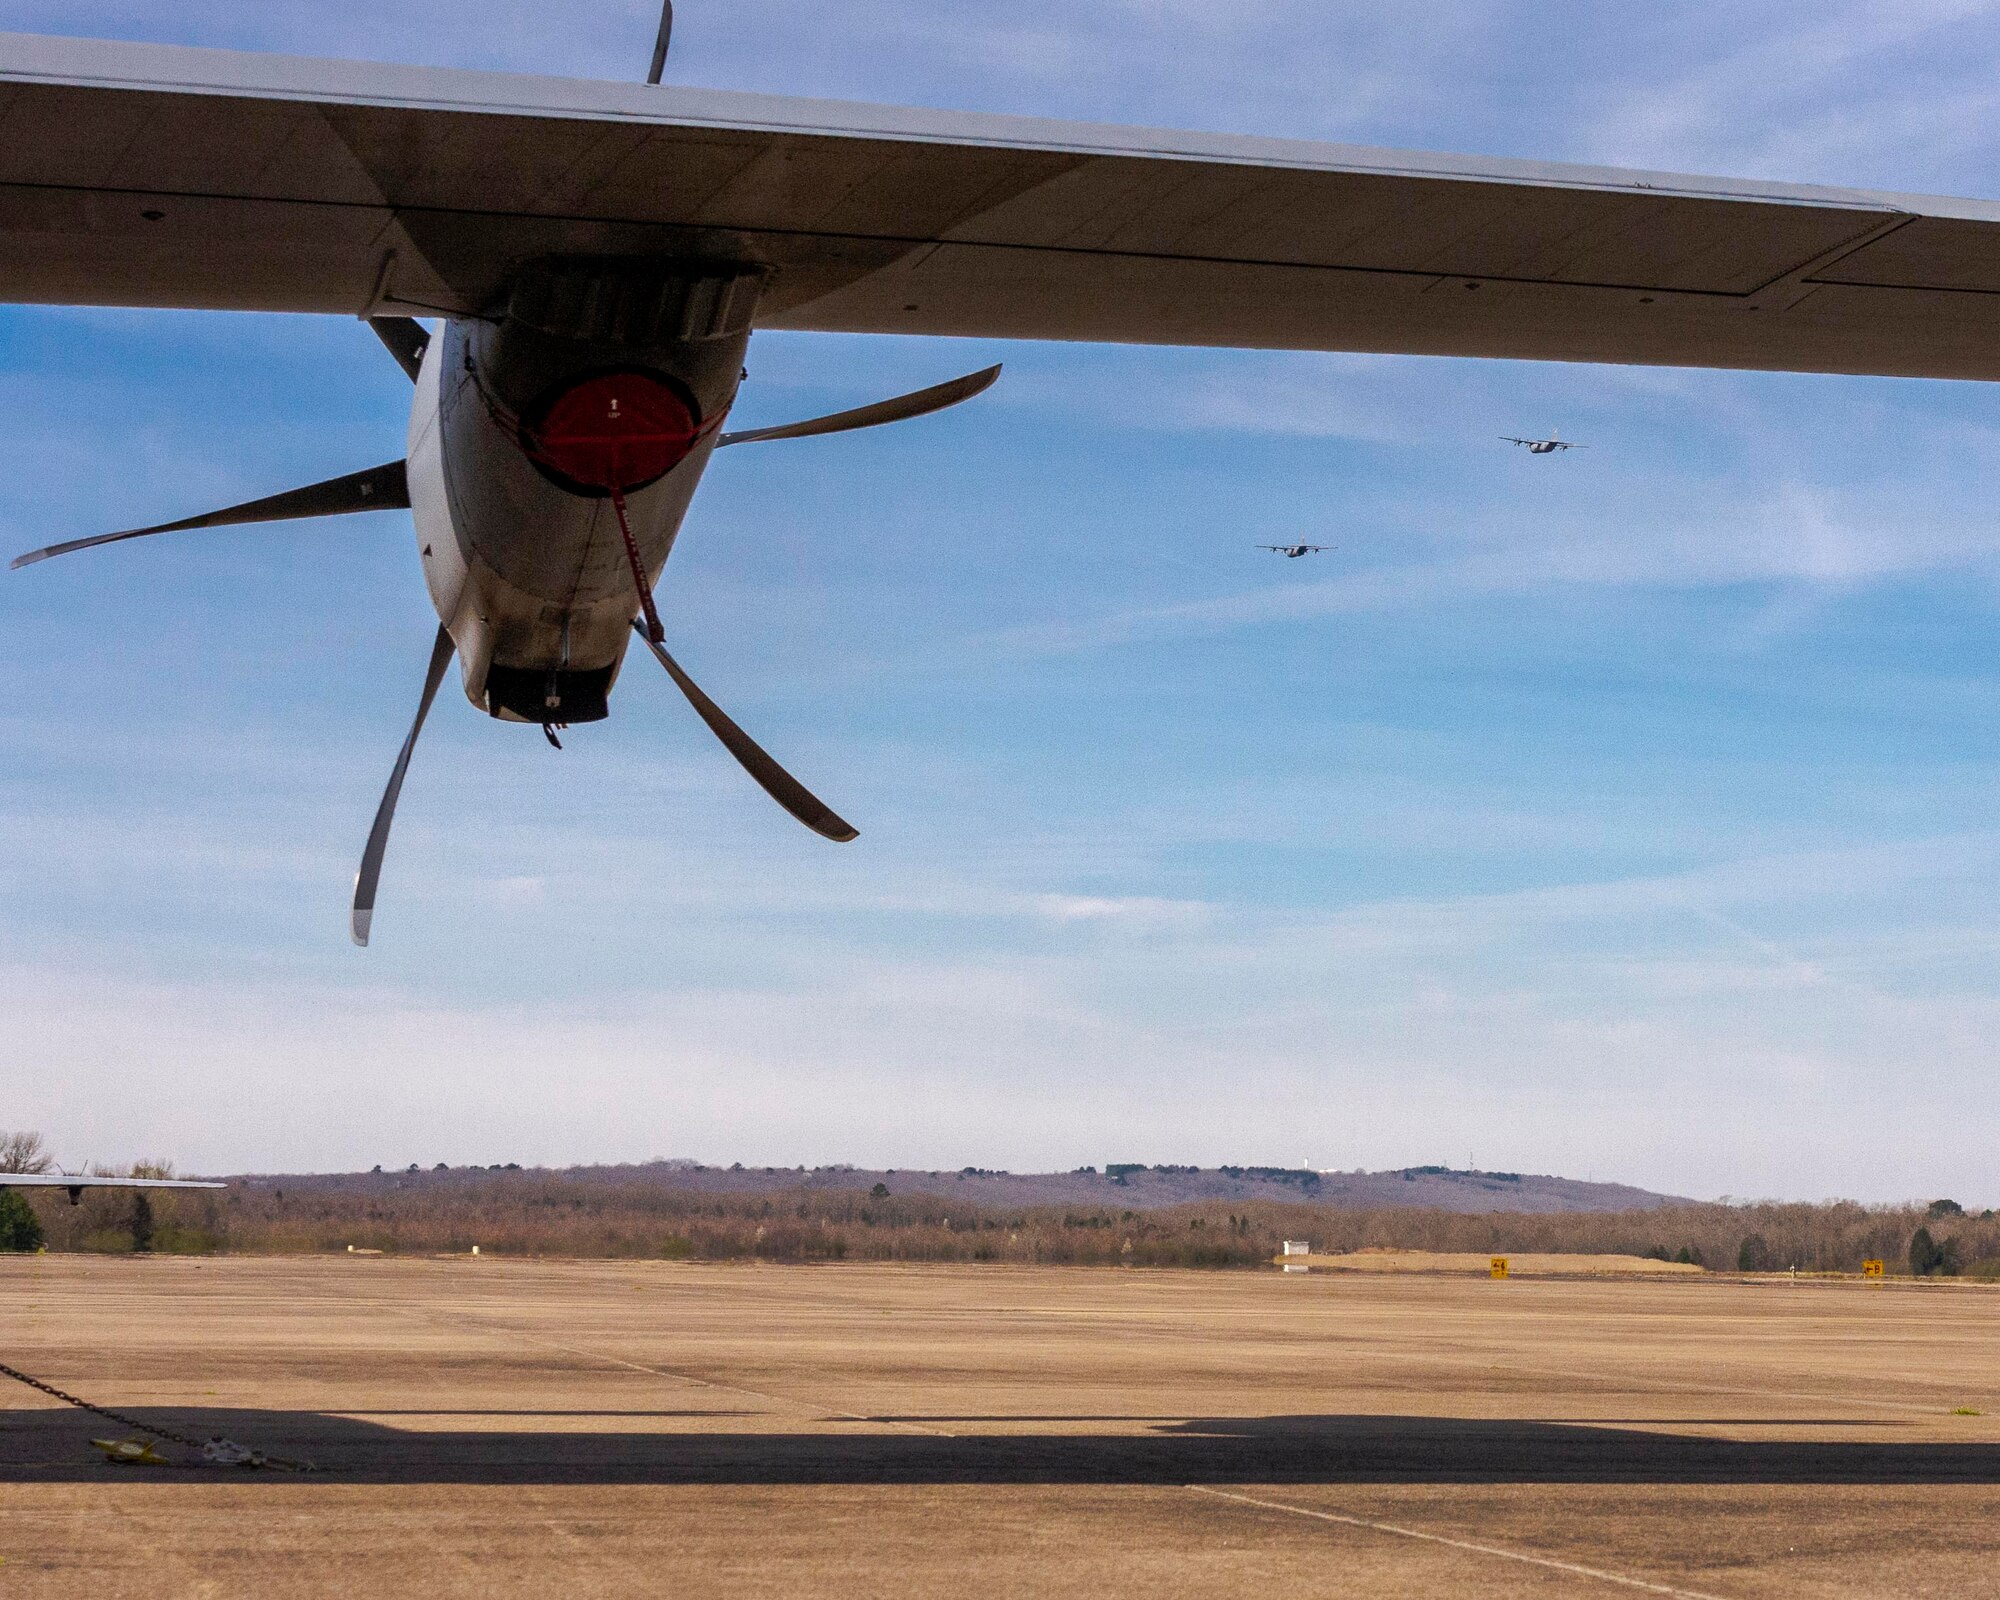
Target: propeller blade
{"points": [[662, 41], [378, 836], [779, 784], [921, 403], [383, 488], [407, 340]]}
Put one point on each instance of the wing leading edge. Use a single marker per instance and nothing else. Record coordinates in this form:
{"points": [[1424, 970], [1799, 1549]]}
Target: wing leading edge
{"points": [[158, 175], [76, 1185]]}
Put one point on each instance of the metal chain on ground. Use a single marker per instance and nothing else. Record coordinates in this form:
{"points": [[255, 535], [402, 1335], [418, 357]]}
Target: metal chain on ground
{"points": [[217, 1451]]}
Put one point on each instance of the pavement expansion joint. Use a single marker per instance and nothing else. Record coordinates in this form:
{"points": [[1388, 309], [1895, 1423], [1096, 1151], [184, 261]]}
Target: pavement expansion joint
{"points": [[1575, 1569]]}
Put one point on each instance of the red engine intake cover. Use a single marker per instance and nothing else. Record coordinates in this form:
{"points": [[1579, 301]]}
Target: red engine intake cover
{"points": [[612, 433]]}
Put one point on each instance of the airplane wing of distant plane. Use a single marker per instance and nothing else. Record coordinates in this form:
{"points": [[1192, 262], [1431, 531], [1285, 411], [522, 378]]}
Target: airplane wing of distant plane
{"points": [[76, 1185], [154, 175]]}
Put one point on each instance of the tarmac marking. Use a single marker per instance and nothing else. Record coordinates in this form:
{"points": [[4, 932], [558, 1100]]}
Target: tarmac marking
{"points": [[709, 1383], [1442, 1350], [1453, 1352], [1634, 1383], [484, 1325], [1505, 1554], [728, 1388]]}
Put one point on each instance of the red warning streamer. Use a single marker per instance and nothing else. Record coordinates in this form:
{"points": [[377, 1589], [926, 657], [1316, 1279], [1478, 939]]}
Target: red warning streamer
{"points": [[654, 631]]}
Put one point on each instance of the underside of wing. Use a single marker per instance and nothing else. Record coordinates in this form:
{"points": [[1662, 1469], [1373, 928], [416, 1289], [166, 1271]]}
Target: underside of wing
{"points": [[155, 175], [62, 1180]]}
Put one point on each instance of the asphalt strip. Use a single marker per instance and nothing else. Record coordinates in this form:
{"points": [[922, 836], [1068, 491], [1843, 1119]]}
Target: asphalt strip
{"points": [[1457, 1544]]}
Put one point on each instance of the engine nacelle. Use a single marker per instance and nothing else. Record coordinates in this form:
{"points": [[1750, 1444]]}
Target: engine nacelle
{"points": [[599, 376]]}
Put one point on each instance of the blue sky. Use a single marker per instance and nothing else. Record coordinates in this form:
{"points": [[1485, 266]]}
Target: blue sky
{"points": [[1626, 813]]}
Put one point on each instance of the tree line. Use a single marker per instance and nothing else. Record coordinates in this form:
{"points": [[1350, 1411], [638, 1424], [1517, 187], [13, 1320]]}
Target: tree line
{"points": [[555, 1214]]}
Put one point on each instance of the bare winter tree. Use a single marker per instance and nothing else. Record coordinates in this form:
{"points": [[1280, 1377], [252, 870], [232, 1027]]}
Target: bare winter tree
{"points": [[23, 1152]]}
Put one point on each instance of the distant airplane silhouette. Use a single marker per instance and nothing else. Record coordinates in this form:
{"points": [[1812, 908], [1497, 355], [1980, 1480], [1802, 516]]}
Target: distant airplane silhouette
{"points": [[1544, 447]]}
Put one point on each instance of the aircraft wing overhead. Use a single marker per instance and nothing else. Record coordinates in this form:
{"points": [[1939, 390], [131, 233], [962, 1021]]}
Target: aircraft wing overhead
{"points": [[155, 175]]}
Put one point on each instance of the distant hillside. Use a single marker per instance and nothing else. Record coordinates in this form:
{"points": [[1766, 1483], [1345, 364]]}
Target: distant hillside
{"points": [[1125, 1186], [1123, 1216]]}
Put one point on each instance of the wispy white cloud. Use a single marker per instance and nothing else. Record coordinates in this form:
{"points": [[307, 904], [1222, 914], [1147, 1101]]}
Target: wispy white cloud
{"points": [[1817, 91], [1142, 910], [1498, 828], [1340, 1034]]}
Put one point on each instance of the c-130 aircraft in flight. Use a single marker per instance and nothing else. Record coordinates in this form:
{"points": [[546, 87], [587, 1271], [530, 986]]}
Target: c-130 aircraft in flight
{"points": [[601, 254], [1543, 447]]}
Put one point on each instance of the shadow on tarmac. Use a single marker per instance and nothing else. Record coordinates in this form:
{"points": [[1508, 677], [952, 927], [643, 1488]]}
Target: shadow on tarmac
{"points": [[52, 1445]]}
